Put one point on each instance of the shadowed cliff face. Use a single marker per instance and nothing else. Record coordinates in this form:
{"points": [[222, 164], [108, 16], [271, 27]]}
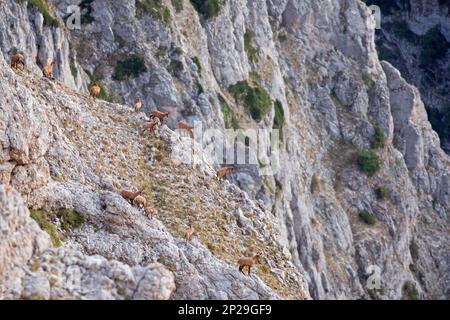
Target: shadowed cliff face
{"points": [[415, 38], [363, 186]]}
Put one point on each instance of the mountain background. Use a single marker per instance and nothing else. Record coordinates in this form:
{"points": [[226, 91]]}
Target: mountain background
{"points": [[364, 182]]}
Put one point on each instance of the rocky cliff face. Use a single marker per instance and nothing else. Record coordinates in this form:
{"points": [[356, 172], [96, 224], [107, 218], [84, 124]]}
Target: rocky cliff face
{"points": [[415, 38], [319, 217]]}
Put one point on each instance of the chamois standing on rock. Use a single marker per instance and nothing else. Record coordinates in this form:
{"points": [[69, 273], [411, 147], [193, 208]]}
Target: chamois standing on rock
{"points": [[223, 172], [17, 59], [140, 201], [95, 90], [187, 127], [159, 114], [188, 234], [47, 71], [150, 211], [138, 105], [150, 126], [129, 195], [248, 262]]}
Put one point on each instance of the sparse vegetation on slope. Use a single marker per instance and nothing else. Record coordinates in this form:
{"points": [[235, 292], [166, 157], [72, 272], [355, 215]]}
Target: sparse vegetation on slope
{"points": [[369, 162], [44, 9]]}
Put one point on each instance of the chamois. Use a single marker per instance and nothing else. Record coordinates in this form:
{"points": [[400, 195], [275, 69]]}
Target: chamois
{"points": [[140, 201], [47, 71], [95, 90], [248, 262], [185, 126], [159, 114], [17, 59], [150, 211], [150, 126], [130, 196], [138, 105], [223, 172], [188, 234]]}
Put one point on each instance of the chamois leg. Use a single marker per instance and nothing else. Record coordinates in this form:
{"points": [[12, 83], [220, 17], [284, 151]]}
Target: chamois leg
{"points": [[241, 269], [249, 268]]}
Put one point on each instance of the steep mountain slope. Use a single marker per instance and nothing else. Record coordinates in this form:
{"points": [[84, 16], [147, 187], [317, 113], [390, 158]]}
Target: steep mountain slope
{"points": [[62, 150], [330, 96]]}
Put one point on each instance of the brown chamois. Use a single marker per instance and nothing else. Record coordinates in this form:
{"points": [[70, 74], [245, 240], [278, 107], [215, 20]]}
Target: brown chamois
{"points": [[223, 172], [17, 59], [248, 262], [47, 71], [159, 114], [187, 127], [140, 201], [150, 211], [138, 105], [95, 90], [150, 126], [129, 195], [188, 234]]}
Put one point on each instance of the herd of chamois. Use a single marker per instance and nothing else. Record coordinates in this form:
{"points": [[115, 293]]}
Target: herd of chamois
{"points": [[156, 118]]}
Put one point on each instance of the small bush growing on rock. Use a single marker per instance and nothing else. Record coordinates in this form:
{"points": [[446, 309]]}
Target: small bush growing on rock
{"points": [[368, 80], [196, 61], [314, 183], [256, 99], [70, 219], [229, 116], [368, 162], [42, 218], [132, 66], [380, 138], [409, 291], [207, 8], [252, 52], [178, 5], [414, 250], [367, 217], [382, 193], [434, 47], [278, 120]]}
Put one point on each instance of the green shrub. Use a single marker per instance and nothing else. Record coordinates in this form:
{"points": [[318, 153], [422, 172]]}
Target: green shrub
{"points": [[368, 80], [43, 7], [434, 47], [229, 117], [368, 162], [282, 37], [42, 218], [154, 8], [86, 8], [252, 52], [278, 120], [70, 219], [207, 8], [132, 66], [414, 250], [178, 5], [199, 86], [315, 182], [367, 217], [256, 99], [380, 138], [197, 63], [409, 291], [382, 193]]}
